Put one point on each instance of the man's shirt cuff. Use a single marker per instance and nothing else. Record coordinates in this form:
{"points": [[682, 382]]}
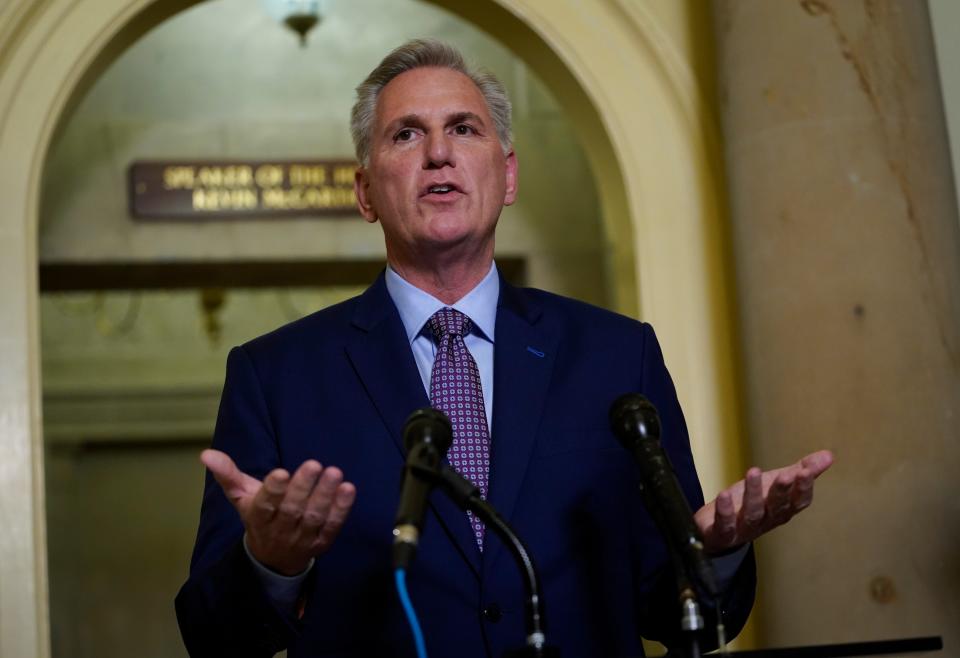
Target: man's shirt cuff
{"points": [[725, 566], [282, 591]]}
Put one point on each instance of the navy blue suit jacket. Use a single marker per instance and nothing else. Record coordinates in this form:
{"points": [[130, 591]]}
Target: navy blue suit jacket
{"points": [[337, 386]]}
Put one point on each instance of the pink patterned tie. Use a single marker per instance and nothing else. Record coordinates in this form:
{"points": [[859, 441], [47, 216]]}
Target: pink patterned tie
{"points": [[456, 391]]}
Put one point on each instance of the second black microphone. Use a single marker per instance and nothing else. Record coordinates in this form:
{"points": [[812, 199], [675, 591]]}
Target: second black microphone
{"points": [[427, 436]]}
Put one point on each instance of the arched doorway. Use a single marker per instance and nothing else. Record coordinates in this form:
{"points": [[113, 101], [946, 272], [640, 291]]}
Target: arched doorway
{"points": [[644, 138]]}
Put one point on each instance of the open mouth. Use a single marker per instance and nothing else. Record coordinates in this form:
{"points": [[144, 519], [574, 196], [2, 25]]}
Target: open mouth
{"points": [[441, 189]]}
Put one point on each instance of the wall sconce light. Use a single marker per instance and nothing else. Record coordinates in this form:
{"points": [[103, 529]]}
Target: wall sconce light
{"points": [[301, 16], [212, 301]]}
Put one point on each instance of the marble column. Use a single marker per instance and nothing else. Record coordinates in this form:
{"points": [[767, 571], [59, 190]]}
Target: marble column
{"points": [[847, 248]]}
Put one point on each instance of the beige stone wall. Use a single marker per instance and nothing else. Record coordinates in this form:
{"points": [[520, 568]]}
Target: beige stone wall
{"points": [[848, 270]]}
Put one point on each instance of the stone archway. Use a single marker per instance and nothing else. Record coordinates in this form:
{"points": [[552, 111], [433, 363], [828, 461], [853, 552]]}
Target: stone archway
{"points": [[634, 100]]}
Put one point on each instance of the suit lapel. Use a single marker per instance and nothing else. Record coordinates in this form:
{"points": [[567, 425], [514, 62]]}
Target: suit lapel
{"points": [[383, 360], [524, 355]]}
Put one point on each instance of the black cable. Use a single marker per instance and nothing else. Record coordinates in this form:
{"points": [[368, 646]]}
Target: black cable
{"points": [[468, 497]]}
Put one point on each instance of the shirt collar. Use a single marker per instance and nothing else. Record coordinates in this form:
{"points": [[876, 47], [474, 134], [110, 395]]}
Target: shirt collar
{"points": [[416, 306]]}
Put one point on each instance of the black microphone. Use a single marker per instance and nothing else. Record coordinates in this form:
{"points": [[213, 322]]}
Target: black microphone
{"points": [[427, 437], [635, 423]]}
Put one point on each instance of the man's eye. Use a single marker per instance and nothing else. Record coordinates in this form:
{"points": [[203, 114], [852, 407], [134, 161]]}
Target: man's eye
{"points": [[463, 129], [404, 135]]}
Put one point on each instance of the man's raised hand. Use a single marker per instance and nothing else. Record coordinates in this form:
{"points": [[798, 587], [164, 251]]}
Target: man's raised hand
{"points": [[760, 502], [289, 519]]}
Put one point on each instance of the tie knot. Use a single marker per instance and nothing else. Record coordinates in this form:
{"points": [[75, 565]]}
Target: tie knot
{"points": [[449, 321]]}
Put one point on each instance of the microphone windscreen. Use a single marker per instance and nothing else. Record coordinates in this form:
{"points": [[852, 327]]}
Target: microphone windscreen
{"points": [[428, 425], [633, 418]]}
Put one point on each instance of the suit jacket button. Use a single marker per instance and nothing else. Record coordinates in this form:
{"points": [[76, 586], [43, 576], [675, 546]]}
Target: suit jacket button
{"points": [[493, 613]]}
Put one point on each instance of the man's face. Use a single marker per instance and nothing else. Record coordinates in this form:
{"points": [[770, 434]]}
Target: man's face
{"points": [[437, 176]]}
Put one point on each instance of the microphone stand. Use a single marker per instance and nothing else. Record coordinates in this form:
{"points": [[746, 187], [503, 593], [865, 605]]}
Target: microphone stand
{"points": [[467, 496], [691, 619]]}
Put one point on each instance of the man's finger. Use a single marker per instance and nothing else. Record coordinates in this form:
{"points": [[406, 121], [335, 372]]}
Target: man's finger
{"points": [[802, 494], [817, 462], [291, 508], [779, 500], [265, 504], [340, 507], [752, 509], [318, 506], [725, 521], [235, 483]]}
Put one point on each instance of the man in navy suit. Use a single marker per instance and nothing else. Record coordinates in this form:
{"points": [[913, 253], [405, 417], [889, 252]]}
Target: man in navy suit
{"points": [[291, 555]]}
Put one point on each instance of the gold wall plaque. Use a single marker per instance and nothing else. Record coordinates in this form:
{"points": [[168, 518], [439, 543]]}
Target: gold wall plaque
{"points": [[229, 189]]}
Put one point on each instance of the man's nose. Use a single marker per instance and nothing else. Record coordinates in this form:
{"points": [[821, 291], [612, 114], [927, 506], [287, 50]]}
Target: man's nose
{"points": [[439, 151]]}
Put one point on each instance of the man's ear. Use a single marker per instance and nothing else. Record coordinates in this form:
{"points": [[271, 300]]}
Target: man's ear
{"points": [[510, 190], [361, 187]]}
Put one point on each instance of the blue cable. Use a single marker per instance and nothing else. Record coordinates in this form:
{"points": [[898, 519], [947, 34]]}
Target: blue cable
{"points": [[401, 578]]}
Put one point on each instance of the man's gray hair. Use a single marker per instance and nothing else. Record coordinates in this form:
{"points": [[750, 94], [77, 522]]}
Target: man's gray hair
{"points": [[413, 55]]}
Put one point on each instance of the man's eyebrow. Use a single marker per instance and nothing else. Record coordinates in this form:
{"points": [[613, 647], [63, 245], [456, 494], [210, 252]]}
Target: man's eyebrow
{"points": [[466, 117], [412, 120]]}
